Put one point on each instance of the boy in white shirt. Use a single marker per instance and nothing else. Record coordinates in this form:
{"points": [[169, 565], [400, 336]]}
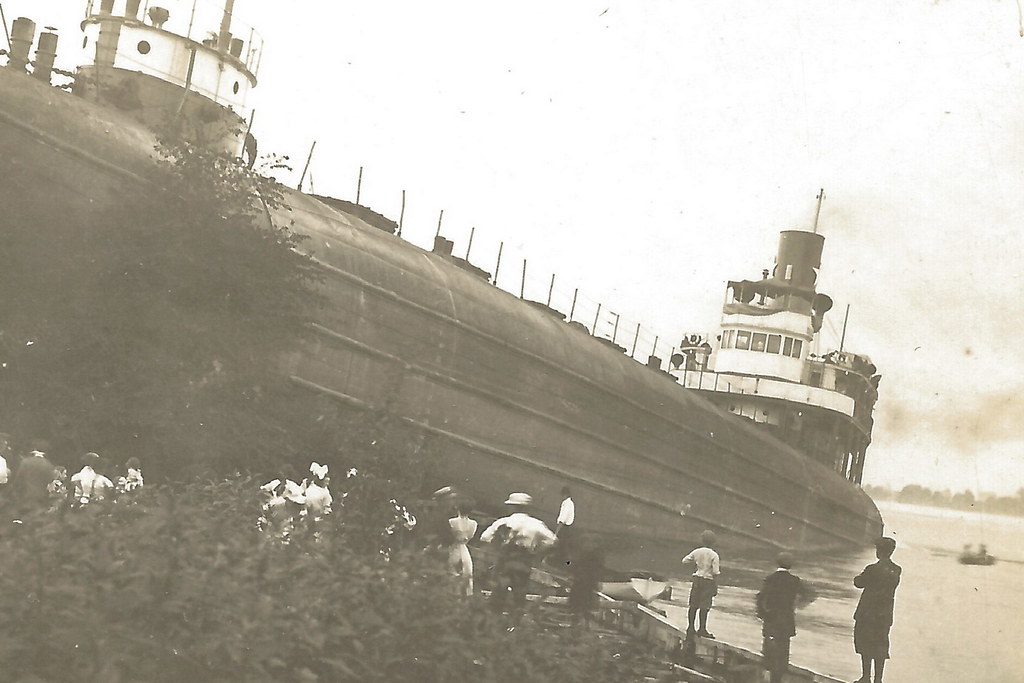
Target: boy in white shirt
{"points": [[705, 584]]}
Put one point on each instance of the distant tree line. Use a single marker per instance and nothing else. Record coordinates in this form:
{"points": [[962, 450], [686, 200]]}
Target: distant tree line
{"points": [[963, 500]]}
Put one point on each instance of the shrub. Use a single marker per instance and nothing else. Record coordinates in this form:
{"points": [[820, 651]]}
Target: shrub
{"points": [[178, 585], [153, 323]]}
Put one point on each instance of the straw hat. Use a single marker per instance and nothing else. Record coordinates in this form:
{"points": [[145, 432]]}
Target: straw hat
{"points": [[519, 499], [443, 492]]}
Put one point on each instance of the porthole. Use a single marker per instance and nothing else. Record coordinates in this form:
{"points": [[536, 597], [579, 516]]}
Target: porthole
{"points": [[234, 88], [144, 47]]}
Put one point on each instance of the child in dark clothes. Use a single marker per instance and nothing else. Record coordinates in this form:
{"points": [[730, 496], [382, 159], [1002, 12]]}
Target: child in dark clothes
{"points": [[586, 570]]}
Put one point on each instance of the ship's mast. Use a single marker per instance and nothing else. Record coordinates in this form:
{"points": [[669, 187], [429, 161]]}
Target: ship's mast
{"points": [[224, 39], [842, 340], [821, 196]]}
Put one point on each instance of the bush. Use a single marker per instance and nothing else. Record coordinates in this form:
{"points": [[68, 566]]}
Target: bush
{"points": [[153, 323], [178, 585]]}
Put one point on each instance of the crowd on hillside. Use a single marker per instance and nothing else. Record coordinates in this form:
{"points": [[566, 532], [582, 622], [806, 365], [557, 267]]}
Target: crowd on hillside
{"points": [[32, 481]]}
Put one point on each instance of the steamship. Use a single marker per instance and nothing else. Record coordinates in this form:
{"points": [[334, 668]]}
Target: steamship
{"points": [[742, 432]]}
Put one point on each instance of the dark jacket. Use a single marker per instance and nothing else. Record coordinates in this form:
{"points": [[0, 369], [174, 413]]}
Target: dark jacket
{"points": [[777, 602], [30, 481], [879, 581]]}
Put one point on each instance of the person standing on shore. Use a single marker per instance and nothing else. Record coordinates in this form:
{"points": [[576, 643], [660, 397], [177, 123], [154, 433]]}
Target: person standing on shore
{"points": [[777, 602], [874, 614], [31, 480], [90, 484], [705, 584], [5, 452], [586, 570], [521, 539], [460, 562], [564, 528]]}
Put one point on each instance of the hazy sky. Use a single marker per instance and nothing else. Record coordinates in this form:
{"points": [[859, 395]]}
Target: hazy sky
{"points": [[647, 152]]}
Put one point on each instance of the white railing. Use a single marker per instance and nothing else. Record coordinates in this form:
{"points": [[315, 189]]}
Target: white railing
{"points": [[769, 388]]}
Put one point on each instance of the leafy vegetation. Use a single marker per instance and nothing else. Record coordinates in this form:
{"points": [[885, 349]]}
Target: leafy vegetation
{"points": [[176, 585], [155, 324]]}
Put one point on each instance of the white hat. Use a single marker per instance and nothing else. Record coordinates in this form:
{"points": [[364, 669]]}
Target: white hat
{"points": [[318, 470], [519, 499], [443, 492], [270, 486], [38, 454]]}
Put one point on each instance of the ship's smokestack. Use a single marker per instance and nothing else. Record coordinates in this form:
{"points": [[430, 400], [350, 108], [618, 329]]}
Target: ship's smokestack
{"points": [[46, 53], [799, 258], [23, 32], [131, 10]]}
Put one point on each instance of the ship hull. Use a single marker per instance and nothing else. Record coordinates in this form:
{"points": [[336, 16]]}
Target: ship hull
{"points": [[509, 397]]}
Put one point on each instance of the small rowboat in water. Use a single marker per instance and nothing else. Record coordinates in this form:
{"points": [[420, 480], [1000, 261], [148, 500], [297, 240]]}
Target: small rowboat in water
{"points": [[981, 557], [641, 590]]}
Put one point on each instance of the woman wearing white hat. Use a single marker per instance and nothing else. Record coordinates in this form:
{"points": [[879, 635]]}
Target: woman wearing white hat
{"points": [[318, 496]]}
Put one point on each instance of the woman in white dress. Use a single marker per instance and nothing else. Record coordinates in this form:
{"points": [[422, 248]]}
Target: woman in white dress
{"points": [[460, 562]]}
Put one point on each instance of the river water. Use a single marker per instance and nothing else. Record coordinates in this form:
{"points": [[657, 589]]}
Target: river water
{"points": [[953, 622]]}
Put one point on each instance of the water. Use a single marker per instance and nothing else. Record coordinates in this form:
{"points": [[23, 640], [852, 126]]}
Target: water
{"points": [[953, 622]]}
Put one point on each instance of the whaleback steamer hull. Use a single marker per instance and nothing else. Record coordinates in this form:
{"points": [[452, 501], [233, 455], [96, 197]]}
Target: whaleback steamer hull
{"points": [[512, 397]]}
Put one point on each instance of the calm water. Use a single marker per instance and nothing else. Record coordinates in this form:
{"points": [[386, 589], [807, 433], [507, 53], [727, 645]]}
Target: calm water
{"points": [[953, 622]]}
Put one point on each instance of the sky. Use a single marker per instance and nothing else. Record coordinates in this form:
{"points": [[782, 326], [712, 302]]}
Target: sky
{"points": [[647, 152]]}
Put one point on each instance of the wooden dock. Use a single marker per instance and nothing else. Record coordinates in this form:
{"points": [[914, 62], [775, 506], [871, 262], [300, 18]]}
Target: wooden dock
{"points": [[678, 657]]}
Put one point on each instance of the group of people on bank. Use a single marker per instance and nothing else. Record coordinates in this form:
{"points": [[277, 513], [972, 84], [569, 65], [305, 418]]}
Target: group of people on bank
{"points": [[33, 481], [521, 541], [288, 505], [782, 593]]}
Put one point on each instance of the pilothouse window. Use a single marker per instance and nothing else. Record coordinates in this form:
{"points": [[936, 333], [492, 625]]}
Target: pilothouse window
{"points": [[742, 340], [774, 342], [760, 339]]}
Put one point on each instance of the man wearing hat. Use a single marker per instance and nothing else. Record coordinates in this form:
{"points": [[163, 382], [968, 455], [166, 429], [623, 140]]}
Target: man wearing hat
{"points": [[874, 614], [90, 485], [777, 602], [520, 538], [432, 520]]}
